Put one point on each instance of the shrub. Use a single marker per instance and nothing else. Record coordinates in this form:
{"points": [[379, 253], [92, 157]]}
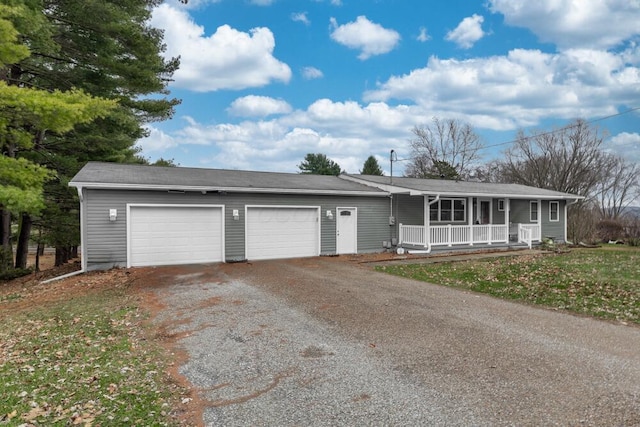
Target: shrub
{"points": [[14, 273], [609, 229]]}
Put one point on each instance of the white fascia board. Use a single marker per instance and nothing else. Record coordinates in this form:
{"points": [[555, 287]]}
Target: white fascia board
{"points": [[394, 189], [107, 186], [498, 195]]}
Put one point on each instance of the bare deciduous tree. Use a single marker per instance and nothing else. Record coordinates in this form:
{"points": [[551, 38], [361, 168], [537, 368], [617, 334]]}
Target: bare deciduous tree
{"points": [[571, 160], [444, 142], [619, 188], [567, 159]]}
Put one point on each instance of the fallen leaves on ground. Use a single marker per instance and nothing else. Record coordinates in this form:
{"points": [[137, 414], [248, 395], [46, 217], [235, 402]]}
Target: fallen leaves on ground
{"points": [[77, 352]]}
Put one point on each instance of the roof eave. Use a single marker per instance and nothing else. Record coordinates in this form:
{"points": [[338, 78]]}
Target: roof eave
{"points": [[209, 189], [500, 195]]}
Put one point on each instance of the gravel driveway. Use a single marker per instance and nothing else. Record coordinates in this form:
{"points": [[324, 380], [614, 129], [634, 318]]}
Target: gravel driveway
{"points": [[328, 341]]}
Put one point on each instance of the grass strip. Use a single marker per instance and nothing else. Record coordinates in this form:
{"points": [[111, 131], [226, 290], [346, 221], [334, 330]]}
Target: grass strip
{"points": [[603, 282]]}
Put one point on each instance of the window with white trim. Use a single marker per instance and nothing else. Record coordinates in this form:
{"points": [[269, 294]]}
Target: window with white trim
{"points": [[501, 205], [554, 211], [533, 211], [448, 210]]}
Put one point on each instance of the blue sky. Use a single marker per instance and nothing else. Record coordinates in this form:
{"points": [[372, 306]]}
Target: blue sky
{"points": [[263, 82]]}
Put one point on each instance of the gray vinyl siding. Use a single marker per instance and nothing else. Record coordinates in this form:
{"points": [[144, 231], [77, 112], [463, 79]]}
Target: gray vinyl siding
{"points": [[553, 229], [106, 242], [519, 212], [498, 216], [409, 210]]}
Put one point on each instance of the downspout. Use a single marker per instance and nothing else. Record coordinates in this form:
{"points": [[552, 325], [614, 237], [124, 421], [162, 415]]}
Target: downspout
{"points": [[427, 238], [83, 255], [566, 206]]}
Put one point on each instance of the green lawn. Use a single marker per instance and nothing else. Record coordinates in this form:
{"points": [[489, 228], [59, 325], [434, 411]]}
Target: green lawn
{"points": [[603, 282], [82, 361]]}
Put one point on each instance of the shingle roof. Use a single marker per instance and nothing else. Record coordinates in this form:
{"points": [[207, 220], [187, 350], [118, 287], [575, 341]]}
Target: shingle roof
{"points": [[131, 176], [459, 188]]}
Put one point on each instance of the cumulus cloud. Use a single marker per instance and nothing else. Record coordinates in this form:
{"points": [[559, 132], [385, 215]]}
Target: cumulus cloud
{"points": [[467, 32], [627, 145], [192, 4], [347, 132], [156, 141], [423, 36], [227, 59], [519, 89], [310, 73], [368, 37], [258, 106], [599, 24], [300, 17]]}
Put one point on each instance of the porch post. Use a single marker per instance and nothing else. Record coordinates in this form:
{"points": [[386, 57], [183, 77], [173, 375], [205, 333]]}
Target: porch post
{"points": [[470, 219], [426, 220], [539, 219], [507, 204]]}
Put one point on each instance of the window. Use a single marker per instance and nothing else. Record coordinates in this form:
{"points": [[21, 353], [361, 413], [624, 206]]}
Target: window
{"points": [[533, 212], [445, 209], [448, 210], [458, 210], [501, 205], [554, 211]]}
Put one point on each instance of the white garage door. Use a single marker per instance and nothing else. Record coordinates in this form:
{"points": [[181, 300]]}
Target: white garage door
{"points": [[282, 232], [169, 235]]}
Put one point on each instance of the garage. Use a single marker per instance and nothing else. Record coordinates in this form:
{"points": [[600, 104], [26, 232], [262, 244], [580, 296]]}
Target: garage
{"points": [[282, 232], [165, 234]]}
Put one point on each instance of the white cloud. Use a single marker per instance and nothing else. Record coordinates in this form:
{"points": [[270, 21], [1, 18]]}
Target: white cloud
{"points": [[595, 24], [192, 4], [258, 106], [310, 73], [300, 17], [228, 59], [347, 132], [467, 32], [157, 141], [262, 2], [625, 144], [368, 37], [520, 89], [423, 36]]}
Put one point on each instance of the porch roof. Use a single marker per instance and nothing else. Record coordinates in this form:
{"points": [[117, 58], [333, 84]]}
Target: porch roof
{"points": [[443, 187]]}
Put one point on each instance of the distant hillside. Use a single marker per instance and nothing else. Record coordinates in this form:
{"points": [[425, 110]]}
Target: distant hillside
{"points": [[632, 210]]}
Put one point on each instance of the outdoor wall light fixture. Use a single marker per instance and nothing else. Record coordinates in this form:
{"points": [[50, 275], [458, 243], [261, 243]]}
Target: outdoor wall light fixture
{"points": [[329, 214], [236, 215], [113, 214]]}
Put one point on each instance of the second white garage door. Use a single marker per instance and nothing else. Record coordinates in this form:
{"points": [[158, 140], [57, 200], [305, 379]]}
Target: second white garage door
{"points": [[170, 235], [282, 232]]}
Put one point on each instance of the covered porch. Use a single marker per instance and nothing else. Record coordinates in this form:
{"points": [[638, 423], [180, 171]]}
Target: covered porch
{"points": [[450, 235], [456, 221]]}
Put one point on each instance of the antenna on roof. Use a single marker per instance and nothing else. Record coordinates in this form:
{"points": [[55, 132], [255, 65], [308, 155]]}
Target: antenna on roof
{"points": [[393, 157]]}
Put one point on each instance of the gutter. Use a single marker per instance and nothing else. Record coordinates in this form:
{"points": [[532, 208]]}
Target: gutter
{"points": [[205, 189]]}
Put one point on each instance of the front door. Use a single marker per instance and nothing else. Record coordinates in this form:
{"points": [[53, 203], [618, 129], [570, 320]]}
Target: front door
{"points": [[347, 231], [485, 212]]}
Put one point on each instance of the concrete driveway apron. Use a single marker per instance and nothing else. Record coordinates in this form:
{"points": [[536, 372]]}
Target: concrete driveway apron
{"points": [[324, 341]]}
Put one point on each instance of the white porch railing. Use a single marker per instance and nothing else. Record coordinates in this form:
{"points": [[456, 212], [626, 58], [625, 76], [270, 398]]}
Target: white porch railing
{"points": [[528, 233], [412, 235], [449, 235]]}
